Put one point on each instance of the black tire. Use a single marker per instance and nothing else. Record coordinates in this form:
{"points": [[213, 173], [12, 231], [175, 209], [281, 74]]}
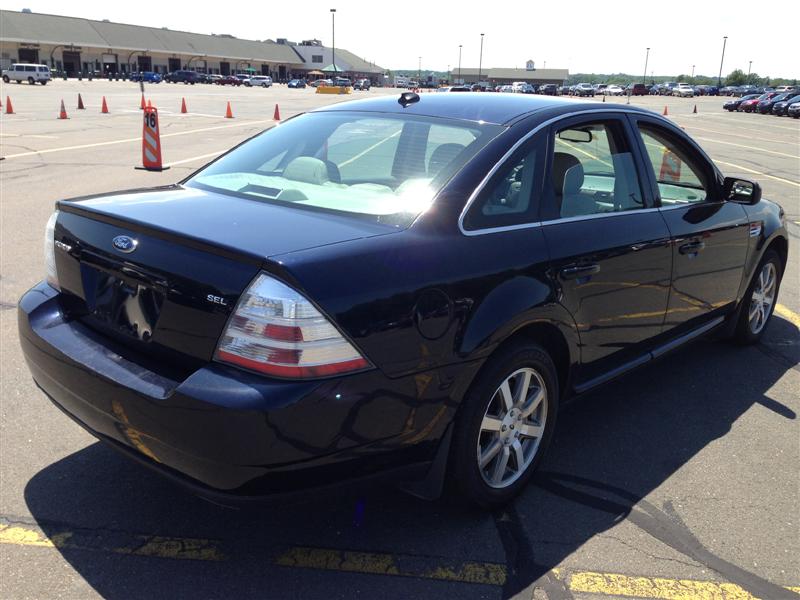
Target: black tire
{"points": [[6, 79], [465, 478], [43, 82], [743, 334], [31, 81]]}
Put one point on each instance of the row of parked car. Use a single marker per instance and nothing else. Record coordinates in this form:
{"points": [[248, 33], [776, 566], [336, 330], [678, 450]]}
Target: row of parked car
{"points": [[775, 103], [740, 91]]}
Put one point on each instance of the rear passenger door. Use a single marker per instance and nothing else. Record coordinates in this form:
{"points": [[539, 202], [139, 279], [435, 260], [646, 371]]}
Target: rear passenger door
{"points": [[709, 235], [608, 244]]}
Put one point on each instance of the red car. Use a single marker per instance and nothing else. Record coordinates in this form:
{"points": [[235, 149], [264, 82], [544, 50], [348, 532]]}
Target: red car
{"points": [[228, 80], [752, 105]]}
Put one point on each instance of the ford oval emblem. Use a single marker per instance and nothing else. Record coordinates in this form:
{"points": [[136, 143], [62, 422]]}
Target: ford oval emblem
{"points": [[123, 243]]}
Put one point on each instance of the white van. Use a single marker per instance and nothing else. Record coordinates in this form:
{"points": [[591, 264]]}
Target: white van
{"points": [[262, 80], [26, 72]]}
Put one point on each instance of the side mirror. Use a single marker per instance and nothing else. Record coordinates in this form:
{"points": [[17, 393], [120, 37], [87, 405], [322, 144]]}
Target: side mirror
{"points": [[741, 190]]}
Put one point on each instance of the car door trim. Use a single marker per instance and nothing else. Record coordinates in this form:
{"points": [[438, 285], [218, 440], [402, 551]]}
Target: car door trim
{"points": [[649, 356], [499, 164]]}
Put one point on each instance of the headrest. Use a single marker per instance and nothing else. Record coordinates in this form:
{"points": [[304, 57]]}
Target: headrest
{"points": [[307, 169], [567, 173], [443, 156]]}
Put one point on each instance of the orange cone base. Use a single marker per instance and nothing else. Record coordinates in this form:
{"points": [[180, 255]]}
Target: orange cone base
{"points": [[151, 169]]}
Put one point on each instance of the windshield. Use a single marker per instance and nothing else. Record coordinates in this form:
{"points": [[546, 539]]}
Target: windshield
{"points": [[379, 166]]}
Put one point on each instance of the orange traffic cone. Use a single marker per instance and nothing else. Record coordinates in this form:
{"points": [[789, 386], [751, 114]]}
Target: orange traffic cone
{"points": [[63, 113], [666, 112], [80, 103], [9, 107], [142, 104], [277, 115], [694, 112], [183, 106], [104, 109], [229, 112], [151, 142]]}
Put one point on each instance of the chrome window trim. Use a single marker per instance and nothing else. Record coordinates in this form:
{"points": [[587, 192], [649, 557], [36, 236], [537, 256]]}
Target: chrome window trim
{"points": [[514, 148]]}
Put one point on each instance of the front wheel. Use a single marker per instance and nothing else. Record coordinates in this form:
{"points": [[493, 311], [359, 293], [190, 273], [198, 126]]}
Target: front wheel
{"points": [[6, 79], [506, 423], [759, 301], [31, 80]]}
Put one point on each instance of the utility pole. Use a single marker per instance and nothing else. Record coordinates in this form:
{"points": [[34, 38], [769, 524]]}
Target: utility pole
{"points": [[646, 58], [722, 60], [333, 39], [480, 60], [459, 63]]}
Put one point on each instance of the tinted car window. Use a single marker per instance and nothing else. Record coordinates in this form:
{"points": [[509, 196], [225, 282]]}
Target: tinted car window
{"points": [[30, 68], [592, 171], [382, 167], [680, 179]]}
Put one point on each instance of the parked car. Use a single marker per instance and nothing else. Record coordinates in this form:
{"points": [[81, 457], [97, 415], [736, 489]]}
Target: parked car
{"points": [[321, 82], [296, 83], [200, 327], [32, 73], [781, 108], [564, 90], [706, 90], [665, 89], [264, 81], [752, 104], [683, 90], [342, 82], [183, 76], [613, 90], [583, 89], [362, 84], [794, 110], [211, 78], [243, 77], [146, 76], [764, 106], [785, 89], [548, 89], [228, 80], [637, 89], [735, 103]]}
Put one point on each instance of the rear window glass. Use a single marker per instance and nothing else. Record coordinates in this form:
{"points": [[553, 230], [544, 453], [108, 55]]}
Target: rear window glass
{"points": [[382, 167]]}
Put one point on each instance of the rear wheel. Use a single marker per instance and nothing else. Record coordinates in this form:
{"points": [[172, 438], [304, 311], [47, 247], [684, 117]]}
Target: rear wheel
{"points": [[759, 301], [505, 425], [31, 80], [5, 79]]}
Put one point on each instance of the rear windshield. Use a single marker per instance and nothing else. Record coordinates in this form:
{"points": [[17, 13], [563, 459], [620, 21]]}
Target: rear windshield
{"points": [[383, 167]]}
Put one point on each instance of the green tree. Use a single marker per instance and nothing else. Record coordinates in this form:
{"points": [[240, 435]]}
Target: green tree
{"points": [[736, 77]]}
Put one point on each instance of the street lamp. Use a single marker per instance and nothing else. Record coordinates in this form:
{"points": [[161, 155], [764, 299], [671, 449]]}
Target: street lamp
{"points": [[646, 58], [749, 67], [459, 63], [333, 39], [480, 60], [722, 60], [419, 71], [692, 72]]}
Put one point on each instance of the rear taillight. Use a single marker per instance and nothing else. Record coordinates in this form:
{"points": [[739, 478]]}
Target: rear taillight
{"points": [[277, 331]]}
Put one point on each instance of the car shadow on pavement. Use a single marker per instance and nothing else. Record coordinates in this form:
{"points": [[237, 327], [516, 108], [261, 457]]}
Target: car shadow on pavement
{"points": [[613, 448]]}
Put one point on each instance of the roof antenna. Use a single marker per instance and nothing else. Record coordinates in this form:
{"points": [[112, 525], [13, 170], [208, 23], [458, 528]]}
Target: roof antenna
{"points": [[407, 98]]}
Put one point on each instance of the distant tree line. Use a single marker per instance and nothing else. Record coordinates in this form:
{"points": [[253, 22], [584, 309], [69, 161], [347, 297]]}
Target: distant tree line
{"points": [[736, 77]]}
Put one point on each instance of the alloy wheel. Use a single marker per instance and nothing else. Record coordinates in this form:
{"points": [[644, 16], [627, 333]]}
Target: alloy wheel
{"points": [[763, 298], [512, 428]]}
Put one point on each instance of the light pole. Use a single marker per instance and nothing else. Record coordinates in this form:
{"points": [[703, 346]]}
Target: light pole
{"points": [[722, 60], [749, 67], [692, 72], [419, 71], [646, 58], [480, 60], [459, 63], [333, 39]]}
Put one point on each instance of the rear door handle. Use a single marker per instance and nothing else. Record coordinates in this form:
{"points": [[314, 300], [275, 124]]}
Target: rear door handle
{"points": [[691, 247], [579, 271]]}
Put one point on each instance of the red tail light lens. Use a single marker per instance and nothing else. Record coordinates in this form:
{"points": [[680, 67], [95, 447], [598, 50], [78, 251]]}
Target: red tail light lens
{"points": [[277, 331]]}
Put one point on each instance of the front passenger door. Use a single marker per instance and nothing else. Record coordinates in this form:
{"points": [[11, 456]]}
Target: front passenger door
{"points": [[709, 235]]}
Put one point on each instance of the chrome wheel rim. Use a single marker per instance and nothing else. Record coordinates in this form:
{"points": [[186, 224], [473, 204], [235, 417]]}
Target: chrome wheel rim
{"points": [[763, 298], [512, 428]]}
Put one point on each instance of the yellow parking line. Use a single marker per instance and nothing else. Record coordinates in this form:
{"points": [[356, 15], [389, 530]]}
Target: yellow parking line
{"points": [[616, 585], [136, 139], [788, 314], [116, 542]]}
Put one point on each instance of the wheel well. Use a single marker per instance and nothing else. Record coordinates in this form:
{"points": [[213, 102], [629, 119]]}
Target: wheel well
{"points": [[781, 246], [549, 337]]}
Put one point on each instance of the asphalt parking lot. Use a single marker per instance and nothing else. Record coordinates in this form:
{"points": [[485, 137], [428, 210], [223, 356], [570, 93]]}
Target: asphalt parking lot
{"points": [[678, 481]]}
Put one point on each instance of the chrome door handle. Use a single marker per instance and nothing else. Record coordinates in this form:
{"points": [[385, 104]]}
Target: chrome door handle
{"points": [[691, 248], [579, 271]]}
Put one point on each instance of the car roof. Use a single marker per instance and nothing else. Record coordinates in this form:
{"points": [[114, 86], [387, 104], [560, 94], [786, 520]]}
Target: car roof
{"points": [[498, 109]]}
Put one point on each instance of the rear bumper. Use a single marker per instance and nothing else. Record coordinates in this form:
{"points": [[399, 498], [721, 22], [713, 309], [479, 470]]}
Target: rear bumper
{"points": [[228, 434]]}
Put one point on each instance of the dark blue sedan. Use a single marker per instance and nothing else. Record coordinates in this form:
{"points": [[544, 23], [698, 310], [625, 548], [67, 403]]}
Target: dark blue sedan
{"points": [[402, 287]]}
